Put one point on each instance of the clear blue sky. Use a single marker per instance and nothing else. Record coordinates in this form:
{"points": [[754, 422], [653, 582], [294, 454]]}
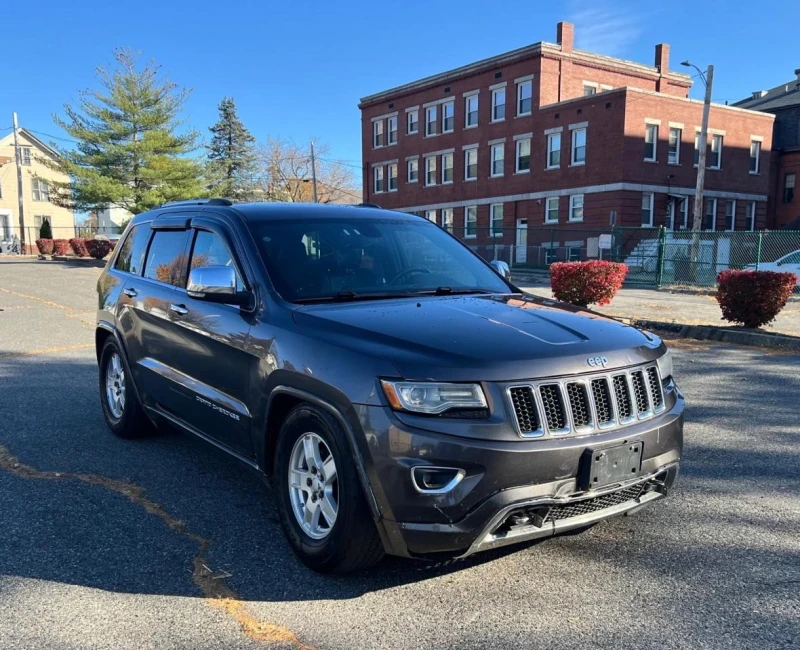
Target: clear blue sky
{"points": [[297, 69]]}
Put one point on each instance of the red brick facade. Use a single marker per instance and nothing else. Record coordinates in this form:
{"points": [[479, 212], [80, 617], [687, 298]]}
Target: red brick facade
{"points": [[615, 174]]}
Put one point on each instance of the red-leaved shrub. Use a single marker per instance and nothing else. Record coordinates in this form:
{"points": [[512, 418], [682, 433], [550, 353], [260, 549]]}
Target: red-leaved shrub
{"points": [[79, 246], [98, 248], [45, 246], [584, 283], [60, 247], [753, 298]]}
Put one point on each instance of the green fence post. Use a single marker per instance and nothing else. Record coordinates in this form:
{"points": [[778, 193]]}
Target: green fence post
{"points": [[662, 245], [758, 250]]}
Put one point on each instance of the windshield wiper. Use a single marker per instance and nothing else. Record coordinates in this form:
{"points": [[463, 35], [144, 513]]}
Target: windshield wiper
{"points": [[449, 291], [350, 296]]}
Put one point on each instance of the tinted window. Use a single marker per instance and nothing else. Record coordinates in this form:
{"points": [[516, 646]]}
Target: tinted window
{"points": [[131, 255], [166, 259], [210, 250]]}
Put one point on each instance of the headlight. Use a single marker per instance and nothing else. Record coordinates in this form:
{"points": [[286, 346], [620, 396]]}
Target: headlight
{"points": [[432, 398], [665, 365]]}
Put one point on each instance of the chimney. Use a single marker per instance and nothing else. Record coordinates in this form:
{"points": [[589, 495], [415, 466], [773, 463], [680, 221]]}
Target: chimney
{"points": [[662, 58], [565, 35]]}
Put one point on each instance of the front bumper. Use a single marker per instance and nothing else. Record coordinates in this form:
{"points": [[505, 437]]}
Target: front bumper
{"points": [[504, 480]]}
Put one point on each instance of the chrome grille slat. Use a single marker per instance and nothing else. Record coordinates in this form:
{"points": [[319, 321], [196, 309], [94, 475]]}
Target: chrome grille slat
{"points": [[585, 404]]}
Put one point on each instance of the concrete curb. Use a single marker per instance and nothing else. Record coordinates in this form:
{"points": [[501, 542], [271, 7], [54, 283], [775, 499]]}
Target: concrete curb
{"points": [[738, 336], [84, 261]]}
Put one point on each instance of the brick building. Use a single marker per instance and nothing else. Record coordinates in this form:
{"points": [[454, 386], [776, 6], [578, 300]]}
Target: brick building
{"points": [[549, 136], [783, 101]]}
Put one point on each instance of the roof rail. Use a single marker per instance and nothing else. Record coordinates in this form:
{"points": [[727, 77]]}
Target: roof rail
{"points": [[171, 204], [368, 205]]}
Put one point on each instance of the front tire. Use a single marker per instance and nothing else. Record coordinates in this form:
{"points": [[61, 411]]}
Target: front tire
{"points": [[320, 500], [124, 415]]}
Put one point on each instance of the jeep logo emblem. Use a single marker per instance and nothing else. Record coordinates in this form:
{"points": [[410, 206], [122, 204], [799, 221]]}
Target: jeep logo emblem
{"points": [[597, 362]]}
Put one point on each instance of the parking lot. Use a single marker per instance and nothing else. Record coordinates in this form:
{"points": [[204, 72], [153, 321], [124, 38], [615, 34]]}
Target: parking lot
{"points": [[167, 543]]}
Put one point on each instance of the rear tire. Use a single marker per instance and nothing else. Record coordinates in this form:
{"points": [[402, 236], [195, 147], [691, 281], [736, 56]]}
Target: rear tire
{"points": [[351, 542], [124, 415]]}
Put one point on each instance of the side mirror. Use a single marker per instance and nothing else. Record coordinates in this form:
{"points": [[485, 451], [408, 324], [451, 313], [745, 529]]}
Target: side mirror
{"points": [[215, 284], [502, 269]]}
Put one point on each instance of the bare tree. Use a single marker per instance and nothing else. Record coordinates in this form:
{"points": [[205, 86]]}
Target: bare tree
{"points": [[285, 174]]}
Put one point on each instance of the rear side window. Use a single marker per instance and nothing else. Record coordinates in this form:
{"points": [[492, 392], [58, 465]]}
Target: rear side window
{"points": [[131, 255], [166, 259]]}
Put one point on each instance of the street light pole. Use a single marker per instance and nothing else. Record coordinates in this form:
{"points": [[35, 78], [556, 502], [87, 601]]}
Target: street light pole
{"points": [[20, 196], [313, 173], [697, 222]]}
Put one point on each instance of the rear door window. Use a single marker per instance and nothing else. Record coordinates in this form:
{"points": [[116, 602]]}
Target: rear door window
{"points": [[166, 258], [131, 255]]}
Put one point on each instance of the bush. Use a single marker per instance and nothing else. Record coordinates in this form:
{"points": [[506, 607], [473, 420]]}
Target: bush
{"points": [[60, 247], [45, 246], [78, 245], [753, 298], [45, 232], [98, 248], [584, 283]]}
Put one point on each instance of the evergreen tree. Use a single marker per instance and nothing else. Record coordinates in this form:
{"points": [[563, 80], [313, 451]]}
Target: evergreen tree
{"points": [[130, 151], [231, 156], [46, 232]]}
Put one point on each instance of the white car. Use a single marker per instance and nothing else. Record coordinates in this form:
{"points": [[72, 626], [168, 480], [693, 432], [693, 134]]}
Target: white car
{"points": [[788, 263]]}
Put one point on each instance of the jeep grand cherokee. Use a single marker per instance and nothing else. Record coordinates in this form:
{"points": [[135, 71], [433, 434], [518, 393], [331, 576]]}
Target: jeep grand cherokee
{"points": [[403, 395]]}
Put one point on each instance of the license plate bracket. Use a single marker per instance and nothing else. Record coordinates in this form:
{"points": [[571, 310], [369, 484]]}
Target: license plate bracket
{"points": [[603, 467]]}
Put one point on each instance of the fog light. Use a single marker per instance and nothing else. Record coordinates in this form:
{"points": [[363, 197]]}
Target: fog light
{"points": [[436, 480]]}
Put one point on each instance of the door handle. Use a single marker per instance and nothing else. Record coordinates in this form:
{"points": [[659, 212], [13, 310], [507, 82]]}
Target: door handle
{"points": [[131, 293], [178, 309]]}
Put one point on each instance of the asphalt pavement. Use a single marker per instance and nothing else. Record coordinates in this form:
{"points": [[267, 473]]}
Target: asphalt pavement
{"points": [[166, 543]]}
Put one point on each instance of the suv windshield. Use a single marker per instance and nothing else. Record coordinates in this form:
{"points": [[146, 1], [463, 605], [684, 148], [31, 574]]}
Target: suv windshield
{"points": [[330, 259]]}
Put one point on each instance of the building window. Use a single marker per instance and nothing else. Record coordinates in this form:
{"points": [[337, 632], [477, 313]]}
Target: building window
{"points": [[553, 150], [377, 134], [38, 221], [412, 122], [471, 164], [685, 212], [697, 150], [430, 215], [711, 215], [378, 172], [392, 130], [498, 159], [498, 104], [674, 152], [551, 210], [26, 156], [393, 177], [730, 215], [576, 207], [650, 142], [523, 156], [448, 117], [496, 228], [789, 181], [447, 219], [447, 168], [588, 90], [716, 152], [430, 170], [470, 221], [524, 97], [430, 120], [413, 170], [755, 157], [578, 147], [647, 209], [471, 111], [41, 190], [750, 217]]}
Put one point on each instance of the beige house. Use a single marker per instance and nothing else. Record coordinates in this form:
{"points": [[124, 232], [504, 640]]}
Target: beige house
{"points": [[35, 190]]}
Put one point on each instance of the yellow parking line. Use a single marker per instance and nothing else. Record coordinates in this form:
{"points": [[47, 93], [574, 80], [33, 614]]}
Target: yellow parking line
{"points": [[49, 303]]}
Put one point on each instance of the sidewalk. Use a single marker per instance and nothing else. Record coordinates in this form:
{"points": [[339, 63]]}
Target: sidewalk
{"points": [[686, 309]]}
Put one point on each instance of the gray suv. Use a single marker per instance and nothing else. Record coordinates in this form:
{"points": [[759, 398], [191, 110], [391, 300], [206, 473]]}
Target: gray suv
{"points": [[403, 395]]}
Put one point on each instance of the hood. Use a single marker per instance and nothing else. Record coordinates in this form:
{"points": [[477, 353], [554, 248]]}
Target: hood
{"points": [[483, 338]]}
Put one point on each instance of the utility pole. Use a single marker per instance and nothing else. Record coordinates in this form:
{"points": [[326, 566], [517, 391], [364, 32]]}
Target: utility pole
{"points": [[697, 222], [18, 157], [313, 173]]}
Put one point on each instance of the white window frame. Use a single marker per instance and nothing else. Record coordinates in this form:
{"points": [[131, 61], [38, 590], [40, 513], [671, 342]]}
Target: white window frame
{"points": [[431, 111], [574, 148], [751, 216], [590, 86], [493, 232], [716, 137], [414, 162], [496, 92], [677, 160], [757, 145], [467, 210], [389, 177], [378, 176], [389, 131], [445, 157], [26, 155], [429, 214], [415, 113], [501, 147], [551, 137], [447, 219], [430, 169], [651, 130], [452, 107], [527, 83], [552, 202], [573, 199], [696, 152], [40, 190], [467, 100], [651, 209], [467, 152], [378, 129], [733, 216], [710, 201], [518, 146]]}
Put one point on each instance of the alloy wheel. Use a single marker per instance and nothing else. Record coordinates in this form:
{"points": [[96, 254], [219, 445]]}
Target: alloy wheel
{"points": [[313, 485]]}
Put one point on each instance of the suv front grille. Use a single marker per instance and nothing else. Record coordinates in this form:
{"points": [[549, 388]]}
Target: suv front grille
{"points": [[597, 402], [587, 506]]}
